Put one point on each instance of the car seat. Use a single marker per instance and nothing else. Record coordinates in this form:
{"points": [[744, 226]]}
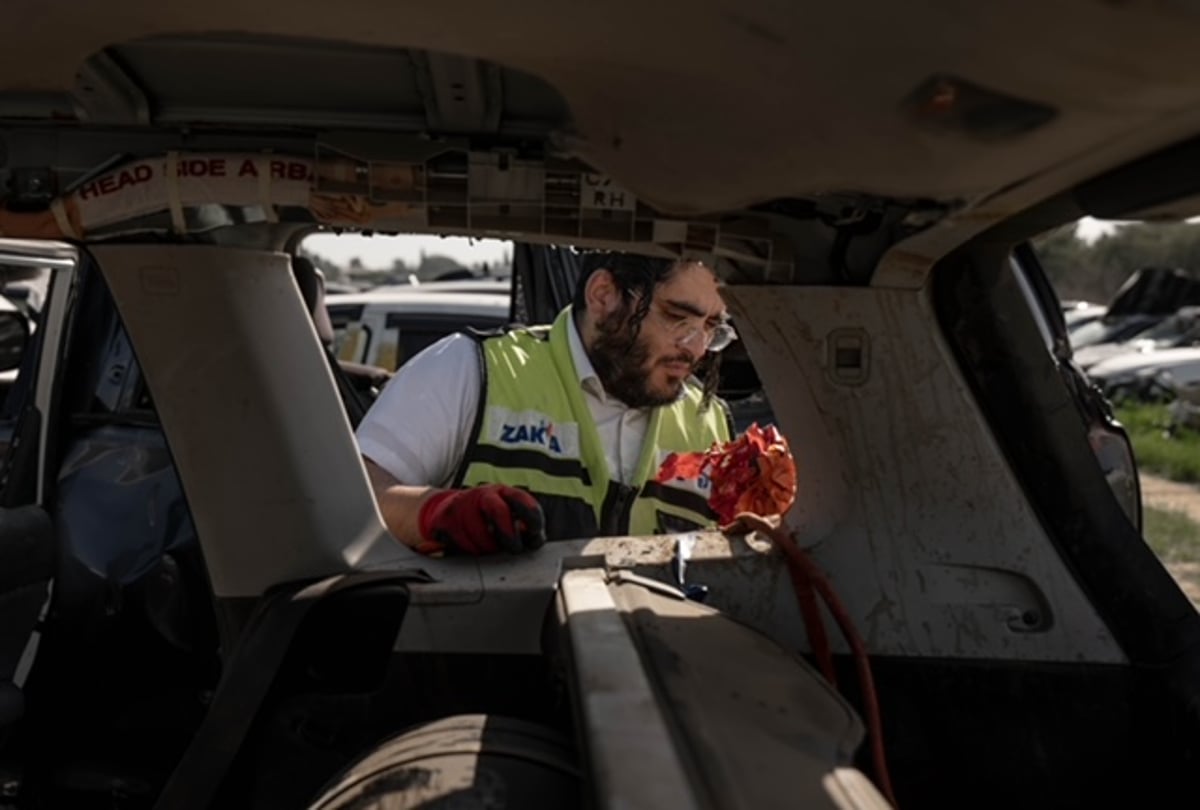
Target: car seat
{"points": [[26, 567], [357, 384]]}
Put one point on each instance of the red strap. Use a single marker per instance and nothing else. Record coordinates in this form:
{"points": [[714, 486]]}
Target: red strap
{"points": [[806, 595], [806, 576]]}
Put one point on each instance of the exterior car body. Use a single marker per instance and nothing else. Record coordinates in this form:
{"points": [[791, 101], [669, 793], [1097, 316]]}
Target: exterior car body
{"points": [[384, 329], [1082, 312], [1179, 330], [494, 286], [1136, 372], [1111, 331]]}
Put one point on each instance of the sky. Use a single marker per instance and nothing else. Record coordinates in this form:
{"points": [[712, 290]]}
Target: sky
{"points": [[379, 252], [1090, 229]]}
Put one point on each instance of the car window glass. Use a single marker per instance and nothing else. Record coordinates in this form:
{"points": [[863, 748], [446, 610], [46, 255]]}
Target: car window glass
{"points": [[351, 338], [408, 335], [352, 342]]}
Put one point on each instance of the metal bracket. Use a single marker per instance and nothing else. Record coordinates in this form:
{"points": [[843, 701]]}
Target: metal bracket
{"points": [[104, 93], [460, 94]]}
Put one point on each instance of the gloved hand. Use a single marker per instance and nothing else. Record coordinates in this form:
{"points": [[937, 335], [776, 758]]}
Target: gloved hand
{"points": [[481, 520]]}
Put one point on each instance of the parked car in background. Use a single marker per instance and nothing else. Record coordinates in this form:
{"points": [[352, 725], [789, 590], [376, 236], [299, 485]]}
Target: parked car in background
{"points": [[385, 329], [29, 294], [1111, 329], [341, 288], [489, 284], [1157, 375], [16, 327], [1180, 329], [1077, 313]]}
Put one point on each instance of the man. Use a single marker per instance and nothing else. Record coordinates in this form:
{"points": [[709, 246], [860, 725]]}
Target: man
{"points": [[482, 444]]}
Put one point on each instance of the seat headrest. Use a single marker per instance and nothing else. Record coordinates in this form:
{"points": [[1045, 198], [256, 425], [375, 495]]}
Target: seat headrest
{"points": [[311, 282]]}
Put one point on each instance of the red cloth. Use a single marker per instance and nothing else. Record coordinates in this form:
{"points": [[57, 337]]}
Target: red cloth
{"points": [[753, 473]]}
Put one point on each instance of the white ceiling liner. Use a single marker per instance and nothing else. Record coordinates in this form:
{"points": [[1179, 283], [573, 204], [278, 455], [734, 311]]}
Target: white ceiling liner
{"points": [[703, 105]]}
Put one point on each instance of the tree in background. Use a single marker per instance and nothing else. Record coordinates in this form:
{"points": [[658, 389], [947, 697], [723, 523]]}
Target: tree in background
{"points": [[332, 271], [434, 266], [1095, 271]]}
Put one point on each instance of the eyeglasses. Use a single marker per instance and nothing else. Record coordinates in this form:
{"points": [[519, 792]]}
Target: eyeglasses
{"points": [[684, 329]]}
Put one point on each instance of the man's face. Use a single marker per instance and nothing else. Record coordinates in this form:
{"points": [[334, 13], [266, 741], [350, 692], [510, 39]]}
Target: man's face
{"points": [[650, 369]]}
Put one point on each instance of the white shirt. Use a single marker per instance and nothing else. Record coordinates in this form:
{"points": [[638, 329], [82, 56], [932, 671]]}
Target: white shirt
{"points": [[419, 427]]}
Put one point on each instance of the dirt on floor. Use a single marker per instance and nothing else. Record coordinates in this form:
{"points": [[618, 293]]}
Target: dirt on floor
{"points": [[1166, 494], [1188, 577], [1163, 493]]}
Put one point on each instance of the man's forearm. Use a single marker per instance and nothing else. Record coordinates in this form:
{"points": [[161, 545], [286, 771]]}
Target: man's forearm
{"points": [[399, 504]]}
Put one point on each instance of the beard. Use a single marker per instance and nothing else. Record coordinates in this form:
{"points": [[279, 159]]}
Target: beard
{"points": [[622, 362]]}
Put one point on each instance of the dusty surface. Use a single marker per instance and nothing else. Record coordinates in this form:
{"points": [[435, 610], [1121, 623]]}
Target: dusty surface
{"points": [[1188, 577], [1166, 494], [1162, 493]]}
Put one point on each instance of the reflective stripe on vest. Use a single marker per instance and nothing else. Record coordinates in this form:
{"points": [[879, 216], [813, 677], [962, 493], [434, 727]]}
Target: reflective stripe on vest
{"points": [[534, 430]]}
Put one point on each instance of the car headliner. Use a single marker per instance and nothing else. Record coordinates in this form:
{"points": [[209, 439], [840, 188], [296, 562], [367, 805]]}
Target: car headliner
{"points": [[710, 105]]}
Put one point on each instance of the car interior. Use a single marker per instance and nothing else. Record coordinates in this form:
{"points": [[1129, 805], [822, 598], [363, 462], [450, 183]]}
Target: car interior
{"points": [[199, 603]]}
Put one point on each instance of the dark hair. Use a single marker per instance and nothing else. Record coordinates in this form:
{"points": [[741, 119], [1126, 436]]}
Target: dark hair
{"points": [[637, 276]]}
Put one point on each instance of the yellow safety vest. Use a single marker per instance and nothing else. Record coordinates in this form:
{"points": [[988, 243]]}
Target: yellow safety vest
{"points": [[534, 430]]}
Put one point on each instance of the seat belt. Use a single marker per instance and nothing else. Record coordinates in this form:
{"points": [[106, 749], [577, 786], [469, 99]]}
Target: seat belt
{"points": [[247, 679], [355, 403]]}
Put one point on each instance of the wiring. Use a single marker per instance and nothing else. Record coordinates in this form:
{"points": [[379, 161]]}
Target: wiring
{"points": [[809, 581]]}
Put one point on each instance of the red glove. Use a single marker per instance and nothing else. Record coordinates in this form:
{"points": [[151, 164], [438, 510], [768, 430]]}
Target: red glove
{"points": [[481, 520]]}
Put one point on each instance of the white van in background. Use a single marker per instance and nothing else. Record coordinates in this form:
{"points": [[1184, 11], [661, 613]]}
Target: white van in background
{"points": [[386, 328]]}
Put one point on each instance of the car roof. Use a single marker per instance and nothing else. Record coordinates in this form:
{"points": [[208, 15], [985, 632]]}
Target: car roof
{"points": [[939, 111], [415, 301], [493, 286]]}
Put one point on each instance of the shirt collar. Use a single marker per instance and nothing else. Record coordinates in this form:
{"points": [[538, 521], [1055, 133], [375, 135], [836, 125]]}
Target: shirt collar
{"points": [[588, 379]]}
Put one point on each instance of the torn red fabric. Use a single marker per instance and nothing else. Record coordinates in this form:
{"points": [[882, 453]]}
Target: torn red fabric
{"points": [[753, 473]]}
